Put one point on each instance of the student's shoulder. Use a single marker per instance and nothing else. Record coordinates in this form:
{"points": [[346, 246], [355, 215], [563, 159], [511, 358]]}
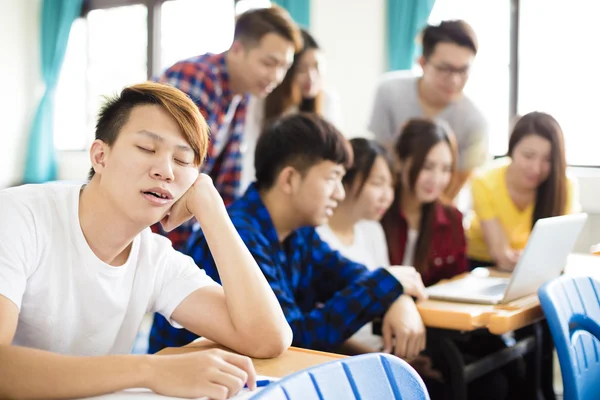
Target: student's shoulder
{"points": [[36, 197], [492, 174], [203, 68], [451, 212], [370, 229], [397, 81]]}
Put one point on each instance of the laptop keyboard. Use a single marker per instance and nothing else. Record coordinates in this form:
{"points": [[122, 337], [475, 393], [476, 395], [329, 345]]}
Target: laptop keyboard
{"points": [[494, 290]]}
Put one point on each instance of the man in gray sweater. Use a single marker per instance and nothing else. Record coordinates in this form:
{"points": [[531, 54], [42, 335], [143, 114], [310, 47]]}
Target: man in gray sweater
{"points": [[449, 49]]}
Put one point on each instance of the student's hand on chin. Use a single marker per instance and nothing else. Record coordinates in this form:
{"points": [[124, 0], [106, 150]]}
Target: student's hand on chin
{"points": [[403, 330], [200, 199]]}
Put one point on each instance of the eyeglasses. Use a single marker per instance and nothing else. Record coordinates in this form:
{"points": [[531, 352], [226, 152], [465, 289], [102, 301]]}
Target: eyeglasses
{"points": [[447, 71]]}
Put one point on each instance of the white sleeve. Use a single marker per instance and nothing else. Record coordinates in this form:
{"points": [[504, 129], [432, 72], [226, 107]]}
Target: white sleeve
{"points": [[181, 277], [17, 247], [379, 245]]}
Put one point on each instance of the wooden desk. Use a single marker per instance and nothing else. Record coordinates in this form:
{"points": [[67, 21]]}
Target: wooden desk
{"points": [[504, 318], [457, 321], [293, 360]]}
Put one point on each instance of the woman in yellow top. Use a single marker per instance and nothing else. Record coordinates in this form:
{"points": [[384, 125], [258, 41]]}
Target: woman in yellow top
{"points": [[516, 191]]}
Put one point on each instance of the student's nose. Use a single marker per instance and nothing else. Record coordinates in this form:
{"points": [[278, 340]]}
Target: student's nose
{"points": [[163, 169], [339, 194], [277, 74]]}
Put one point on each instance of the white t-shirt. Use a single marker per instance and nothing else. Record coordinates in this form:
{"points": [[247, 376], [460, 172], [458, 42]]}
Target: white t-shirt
{"points": [[369, 247], [409, 249], [70, 302], [253, 126]]}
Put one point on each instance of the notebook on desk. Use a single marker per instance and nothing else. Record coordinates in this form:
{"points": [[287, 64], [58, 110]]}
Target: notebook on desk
{"points": [[544, 258], [146, 394]]}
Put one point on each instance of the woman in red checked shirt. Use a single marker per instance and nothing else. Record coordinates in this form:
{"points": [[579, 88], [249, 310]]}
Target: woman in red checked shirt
{"points": [[421, 230], [425, 232]]}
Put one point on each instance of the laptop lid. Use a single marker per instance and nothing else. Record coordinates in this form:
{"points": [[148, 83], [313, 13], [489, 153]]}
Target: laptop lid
{"points": [[545, 255]]}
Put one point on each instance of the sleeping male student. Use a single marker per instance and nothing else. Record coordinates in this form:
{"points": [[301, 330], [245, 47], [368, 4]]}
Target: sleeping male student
{"points": [[300, 161], [514, 192], [79, 266]]}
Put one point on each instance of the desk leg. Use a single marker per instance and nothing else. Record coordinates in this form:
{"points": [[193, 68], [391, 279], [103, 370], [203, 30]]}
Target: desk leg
{"points": [[456, 367], [540, 368]]}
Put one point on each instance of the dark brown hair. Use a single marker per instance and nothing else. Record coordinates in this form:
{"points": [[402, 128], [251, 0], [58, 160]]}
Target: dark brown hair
{"points": [[115, 113], [251, 26], [416, 140], [365, 152], [287, 95], [453, 31], [551, 196], [300, 140]]}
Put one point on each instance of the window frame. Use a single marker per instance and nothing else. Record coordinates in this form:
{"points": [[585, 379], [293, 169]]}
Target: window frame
{"points": [[154, 45]]}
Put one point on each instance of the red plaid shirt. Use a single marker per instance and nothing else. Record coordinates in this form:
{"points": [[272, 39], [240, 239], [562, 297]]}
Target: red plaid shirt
{"points": [[206, 80], [448, 246]]}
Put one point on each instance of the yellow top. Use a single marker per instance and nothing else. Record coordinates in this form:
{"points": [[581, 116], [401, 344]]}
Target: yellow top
{"points": [[492, 200]]}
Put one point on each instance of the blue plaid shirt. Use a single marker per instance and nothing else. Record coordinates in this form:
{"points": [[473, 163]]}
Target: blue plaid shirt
{"points": [[325, 297], [206, 80]]}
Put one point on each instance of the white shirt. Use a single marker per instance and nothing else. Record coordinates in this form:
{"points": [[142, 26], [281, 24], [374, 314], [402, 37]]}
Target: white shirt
{"points": [[409, 248], [369, 247], [253, 125], [69, 301]]}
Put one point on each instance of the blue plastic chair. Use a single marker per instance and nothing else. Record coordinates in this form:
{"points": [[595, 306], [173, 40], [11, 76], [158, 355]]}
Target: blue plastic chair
{"points": [[572, 308], [375, 376]]}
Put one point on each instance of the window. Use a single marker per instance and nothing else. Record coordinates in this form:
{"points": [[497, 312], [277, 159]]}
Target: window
{"points": [[188, 30], [558, 73], [110, 48], [488, 85]]}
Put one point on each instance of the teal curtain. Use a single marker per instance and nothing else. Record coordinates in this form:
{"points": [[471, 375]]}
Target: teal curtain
{"points": [[405, 19], [56, 20], [298, 9]]}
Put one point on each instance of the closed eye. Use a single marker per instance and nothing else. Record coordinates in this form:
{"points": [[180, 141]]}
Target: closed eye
{"points": [[145, 149], [182, 162]]}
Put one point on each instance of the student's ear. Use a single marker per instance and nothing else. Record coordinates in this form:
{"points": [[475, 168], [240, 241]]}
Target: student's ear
{"points": [[422, 61], [237, 48], [289, 180], [98, 152]]}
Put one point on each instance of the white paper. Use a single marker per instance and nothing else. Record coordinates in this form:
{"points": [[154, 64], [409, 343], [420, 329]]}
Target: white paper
{"points": [[146, 394]]}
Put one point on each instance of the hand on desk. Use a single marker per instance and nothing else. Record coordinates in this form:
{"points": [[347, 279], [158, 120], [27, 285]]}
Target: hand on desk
{"points": [[411, 281], [507, 259], [403, 329], [215, 373]]}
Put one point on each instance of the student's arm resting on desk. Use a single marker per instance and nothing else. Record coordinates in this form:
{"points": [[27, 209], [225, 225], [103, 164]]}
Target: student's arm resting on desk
{"points": [[36, 374], [243, 314], [491, 228], [356, 296]]}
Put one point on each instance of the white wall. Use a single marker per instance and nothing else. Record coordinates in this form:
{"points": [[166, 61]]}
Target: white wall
{"points": [[19, 62], [351, 33]]}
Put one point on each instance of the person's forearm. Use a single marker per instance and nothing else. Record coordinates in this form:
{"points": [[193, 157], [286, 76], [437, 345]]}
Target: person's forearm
{"points": [[35, 374], [253, 308]]}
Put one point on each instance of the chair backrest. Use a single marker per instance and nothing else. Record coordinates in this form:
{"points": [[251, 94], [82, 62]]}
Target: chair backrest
{"points": [[572, 308], [374, 376]]}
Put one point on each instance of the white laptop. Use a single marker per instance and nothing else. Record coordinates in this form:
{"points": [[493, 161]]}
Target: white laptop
{"points": [[544, 258]]}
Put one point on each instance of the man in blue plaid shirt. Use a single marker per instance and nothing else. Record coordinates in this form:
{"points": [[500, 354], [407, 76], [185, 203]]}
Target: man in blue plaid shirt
{"points": [[326, 298], [263, 47]]}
